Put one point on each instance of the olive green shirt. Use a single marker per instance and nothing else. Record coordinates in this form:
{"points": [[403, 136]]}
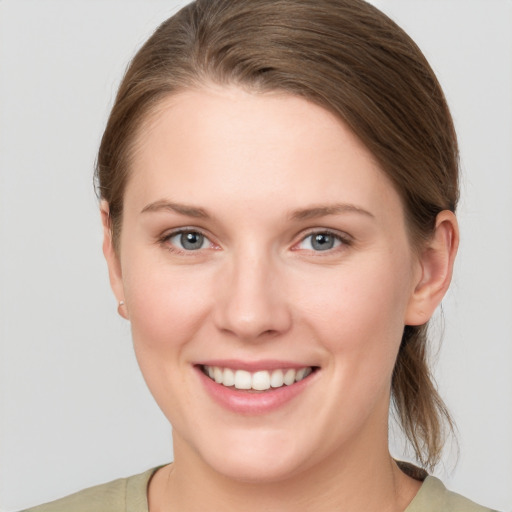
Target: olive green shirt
{"points": [[130, 495]]}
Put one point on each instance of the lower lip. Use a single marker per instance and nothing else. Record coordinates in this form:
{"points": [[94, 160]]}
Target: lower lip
{"points": [[246, 402]]}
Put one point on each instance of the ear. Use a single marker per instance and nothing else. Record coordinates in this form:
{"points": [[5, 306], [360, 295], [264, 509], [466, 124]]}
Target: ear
{"points": [[112, 258], [436, 268]]}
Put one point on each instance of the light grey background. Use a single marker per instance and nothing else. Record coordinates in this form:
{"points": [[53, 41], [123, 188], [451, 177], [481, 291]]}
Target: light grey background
{"points": [[74, 410]]}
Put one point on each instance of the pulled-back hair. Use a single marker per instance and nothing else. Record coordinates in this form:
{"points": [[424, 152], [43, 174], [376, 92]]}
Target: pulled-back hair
{"points": [[349, 58]]}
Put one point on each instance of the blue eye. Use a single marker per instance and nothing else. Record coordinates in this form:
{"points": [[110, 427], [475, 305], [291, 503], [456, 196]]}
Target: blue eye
{"points": [[321, 241], [189, 240]]}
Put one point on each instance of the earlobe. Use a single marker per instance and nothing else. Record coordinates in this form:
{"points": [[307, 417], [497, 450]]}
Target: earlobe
{"points": [[112, 259], [436, 263]]}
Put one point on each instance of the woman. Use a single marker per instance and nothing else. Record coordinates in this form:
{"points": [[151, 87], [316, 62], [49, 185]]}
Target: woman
{"points": [[278, 181]]}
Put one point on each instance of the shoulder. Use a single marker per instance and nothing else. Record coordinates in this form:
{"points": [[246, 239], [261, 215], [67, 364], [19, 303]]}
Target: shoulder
{"points": [[433, 496], [122, 495]]}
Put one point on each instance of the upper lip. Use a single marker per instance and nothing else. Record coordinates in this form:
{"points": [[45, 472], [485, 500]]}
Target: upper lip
{"points": [[253, 366]]}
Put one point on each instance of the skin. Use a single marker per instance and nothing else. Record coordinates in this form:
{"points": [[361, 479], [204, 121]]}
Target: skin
{"points": [[257, 290]]}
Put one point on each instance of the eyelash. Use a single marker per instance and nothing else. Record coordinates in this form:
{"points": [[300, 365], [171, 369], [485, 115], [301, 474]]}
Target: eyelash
{"points": [[343, 241]]}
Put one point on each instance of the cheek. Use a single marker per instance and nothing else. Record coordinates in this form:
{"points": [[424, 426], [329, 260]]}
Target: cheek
{"points": [[166, 306], [363, 313], [166, 311]]}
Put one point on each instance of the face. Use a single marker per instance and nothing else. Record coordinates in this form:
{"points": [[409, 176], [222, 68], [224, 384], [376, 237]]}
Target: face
{"points": [[267, 275]]}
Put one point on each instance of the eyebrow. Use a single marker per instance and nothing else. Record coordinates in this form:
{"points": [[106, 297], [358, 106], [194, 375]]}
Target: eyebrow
{"points": [[302, 214], [324, 210], [182, 209]]}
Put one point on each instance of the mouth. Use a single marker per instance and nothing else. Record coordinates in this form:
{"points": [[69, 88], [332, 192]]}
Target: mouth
{"points": [[258, 381]]}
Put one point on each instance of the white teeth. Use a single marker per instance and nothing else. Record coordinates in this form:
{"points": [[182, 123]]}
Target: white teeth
{"points": [[218, 375], [303, 373], [243, 380], [259, 381], [289, 377], [229, 377], [277, 379], [300, 374]]}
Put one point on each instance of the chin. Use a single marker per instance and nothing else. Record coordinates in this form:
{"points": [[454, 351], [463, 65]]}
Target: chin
{"points": [[258, 470], [257, 461]]}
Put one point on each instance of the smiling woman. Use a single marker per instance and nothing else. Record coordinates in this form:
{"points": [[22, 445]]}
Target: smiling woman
{"points": [[274, 280], [278, 181]]}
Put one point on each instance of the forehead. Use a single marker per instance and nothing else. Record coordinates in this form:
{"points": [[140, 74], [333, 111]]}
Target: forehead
{"points": [[260, 149]]}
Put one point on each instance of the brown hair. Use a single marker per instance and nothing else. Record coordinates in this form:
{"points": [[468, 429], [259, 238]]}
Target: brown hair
{"points": [[346, 56]]}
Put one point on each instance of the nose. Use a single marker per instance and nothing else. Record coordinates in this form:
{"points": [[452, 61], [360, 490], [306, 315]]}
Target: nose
{"points": [[251, 302]]}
